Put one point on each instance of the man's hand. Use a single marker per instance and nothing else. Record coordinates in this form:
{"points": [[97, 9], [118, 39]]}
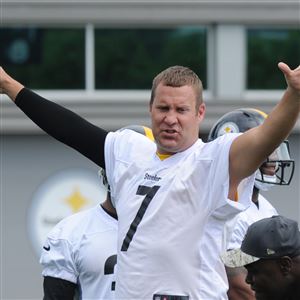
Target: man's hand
{"points": [[292, 77], [9, 86], [1, 80]]}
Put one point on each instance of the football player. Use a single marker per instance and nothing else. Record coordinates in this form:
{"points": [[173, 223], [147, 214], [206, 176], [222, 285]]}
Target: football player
{"points": [[278, 170], [80, 252]]}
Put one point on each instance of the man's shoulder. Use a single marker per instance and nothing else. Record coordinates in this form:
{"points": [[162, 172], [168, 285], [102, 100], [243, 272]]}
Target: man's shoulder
{"points": [[72, 227], [129, 147], [131, 142], [217, 146], [225, 138], [264, 204]]}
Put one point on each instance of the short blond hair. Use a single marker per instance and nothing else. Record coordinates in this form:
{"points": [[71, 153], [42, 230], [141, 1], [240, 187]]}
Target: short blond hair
{"points": [[177, 76]]}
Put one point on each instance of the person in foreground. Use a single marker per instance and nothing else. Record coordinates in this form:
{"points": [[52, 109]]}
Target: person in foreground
{"points": [[80, 253], [278, 170], [270, 252], [168, 194]]}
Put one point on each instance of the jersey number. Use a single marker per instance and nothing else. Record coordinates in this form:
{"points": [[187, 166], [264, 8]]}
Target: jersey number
{"points": [[109, 268], [150, 193]]}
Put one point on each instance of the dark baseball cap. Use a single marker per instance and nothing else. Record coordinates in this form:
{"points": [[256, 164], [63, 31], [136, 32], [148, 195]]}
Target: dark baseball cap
{"points": [[266, 239]]}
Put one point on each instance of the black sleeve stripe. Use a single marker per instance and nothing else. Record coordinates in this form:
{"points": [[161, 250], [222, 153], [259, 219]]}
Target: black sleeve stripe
{"points": [[58, 289]]}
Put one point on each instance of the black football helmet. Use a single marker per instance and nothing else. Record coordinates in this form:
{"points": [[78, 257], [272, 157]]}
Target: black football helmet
{"points": [[243, 119]]}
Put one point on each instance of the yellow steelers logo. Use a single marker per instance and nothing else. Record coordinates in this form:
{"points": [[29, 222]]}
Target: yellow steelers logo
{"points": [[228, 127], [61, 195]]}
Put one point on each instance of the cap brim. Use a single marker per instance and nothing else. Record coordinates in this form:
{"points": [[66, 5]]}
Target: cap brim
{"points": [[236, 258]]}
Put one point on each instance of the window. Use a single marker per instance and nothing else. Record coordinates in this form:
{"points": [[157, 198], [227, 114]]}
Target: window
{"points": [[267, 47], [130, 58], [41, 58]]}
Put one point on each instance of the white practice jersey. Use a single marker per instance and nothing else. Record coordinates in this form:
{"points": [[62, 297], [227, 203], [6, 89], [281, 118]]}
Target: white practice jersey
{"points": [[165, 207], [82, 249], [237, 227]]}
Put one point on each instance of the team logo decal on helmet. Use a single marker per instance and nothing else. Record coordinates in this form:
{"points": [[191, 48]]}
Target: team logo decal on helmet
{"points": [[228, 127]]}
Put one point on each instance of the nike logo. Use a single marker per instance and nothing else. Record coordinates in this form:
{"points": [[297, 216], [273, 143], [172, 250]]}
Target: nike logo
{"points": [[47, 248]]}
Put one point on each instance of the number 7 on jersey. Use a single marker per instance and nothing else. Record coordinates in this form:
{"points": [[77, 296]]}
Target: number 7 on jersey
{"points": [[149, 192]]}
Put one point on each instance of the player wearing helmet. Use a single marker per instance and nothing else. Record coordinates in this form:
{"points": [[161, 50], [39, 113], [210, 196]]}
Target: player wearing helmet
{"points": [[243, 119], [80, 252], [276, 170]]}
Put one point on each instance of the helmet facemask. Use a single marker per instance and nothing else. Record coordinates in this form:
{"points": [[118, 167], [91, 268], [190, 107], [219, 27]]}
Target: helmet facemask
{"points": [[283, 169]]}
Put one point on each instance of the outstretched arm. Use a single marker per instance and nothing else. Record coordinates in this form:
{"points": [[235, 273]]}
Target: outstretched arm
{"points": [[60, 123], [250, 149]]}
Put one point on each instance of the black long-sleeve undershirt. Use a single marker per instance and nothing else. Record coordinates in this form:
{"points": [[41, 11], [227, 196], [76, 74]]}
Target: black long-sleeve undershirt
{"points": [[64, 125]]}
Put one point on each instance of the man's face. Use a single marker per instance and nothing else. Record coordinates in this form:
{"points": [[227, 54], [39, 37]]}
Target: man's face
{"points": [[268, 168], [267, 280], [175, 121]]}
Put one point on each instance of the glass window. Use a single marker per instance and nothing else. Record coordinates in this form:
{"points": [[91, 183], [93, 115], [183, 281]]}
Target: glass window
{"points": [[130, 58], [44, 58], [267, 47]]}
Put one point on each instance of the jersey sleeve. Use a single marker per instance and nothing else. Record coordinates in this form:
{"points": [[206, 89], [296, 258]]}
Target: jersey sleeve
{"points": [[239, 225], [64, 125], [58, 258], [220, 181], [237, 228]]}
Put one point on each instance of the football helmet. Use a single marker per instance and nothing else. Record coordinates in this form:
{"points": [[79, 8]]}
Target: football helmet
{"points": [[278, 169]]}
